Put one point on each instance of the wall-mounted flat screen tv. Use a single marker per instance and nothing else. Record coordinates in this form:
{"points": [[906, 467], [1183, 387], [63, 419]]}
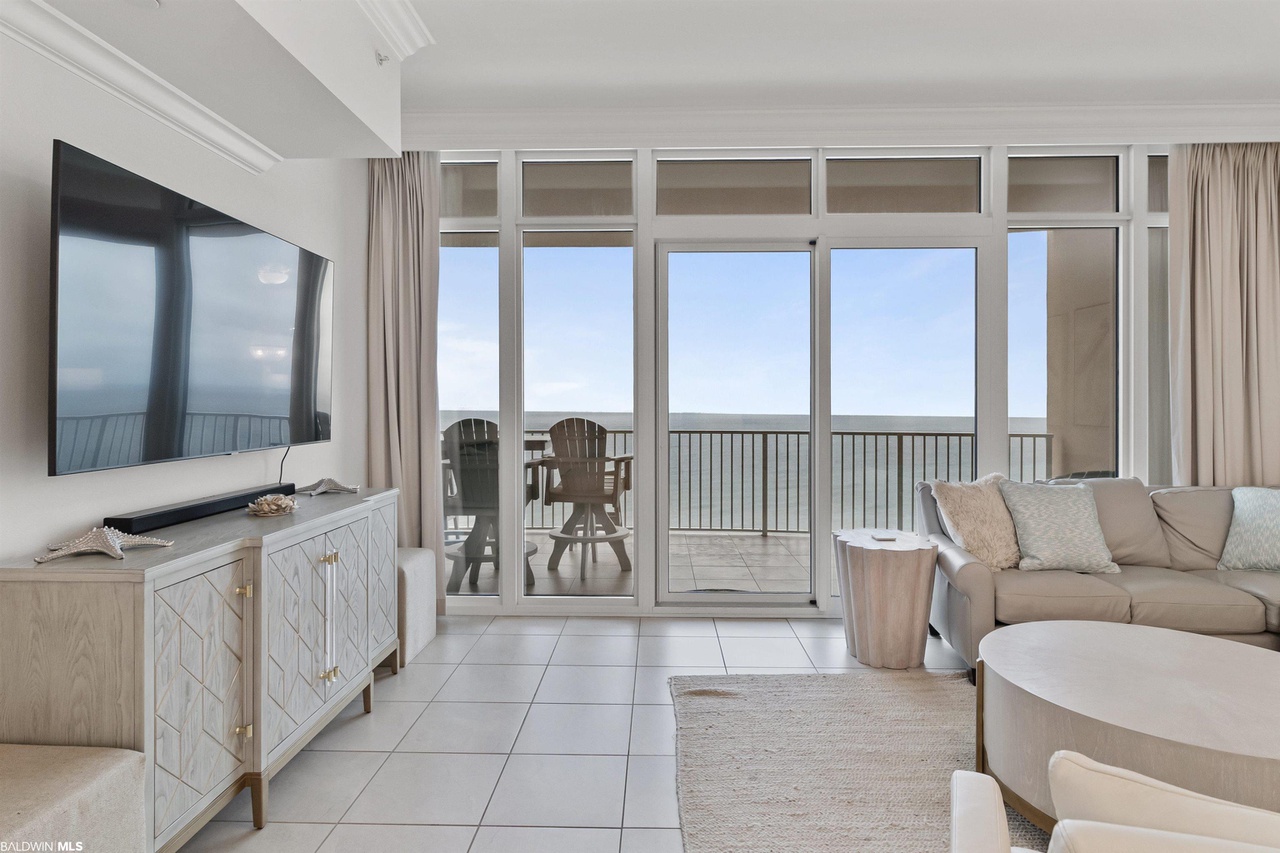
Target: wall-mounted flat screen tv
{"points": [[176, 330]]}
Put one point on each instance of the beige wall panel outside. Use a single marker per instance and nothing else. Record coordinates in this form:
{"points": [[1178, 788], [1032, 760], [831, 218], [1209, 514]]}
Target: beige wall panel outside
{"points": [[1063, 184], [712, 187], [469, 190], [577, 189], [1159, 417], [1082, 346], [905, 185], [1158, 184]]}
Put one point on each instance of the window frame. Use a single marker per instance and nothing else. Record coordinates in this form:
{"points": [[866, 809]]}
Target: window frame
{"points": [[986, 230]]}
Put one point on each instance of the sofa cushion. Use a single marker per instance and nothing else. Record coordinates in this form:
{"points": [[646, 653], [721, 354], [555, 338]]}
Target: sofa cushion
{"points": [[978, 520], [1036, 596], [1253, 540], [1166, 598], [1057, 527], [1195, 520], [1264, 586], [1128, 519]]}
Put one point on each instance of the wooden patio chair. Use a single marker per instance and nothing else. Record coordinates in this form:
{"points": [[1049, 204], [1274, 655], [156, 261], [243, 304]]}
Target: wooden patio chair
{"points": [[469, 449], [581, 474]]}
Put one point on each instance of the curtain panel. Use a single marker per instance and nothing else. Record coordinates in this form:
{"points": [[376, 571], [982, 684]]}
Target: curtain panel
{"points": [[403, 281], [1224, 313]]}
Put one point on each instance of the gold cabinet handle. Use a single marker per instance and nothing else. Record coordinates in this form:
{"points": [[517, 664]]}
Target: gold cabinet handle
{"points": [[326, 675], [247, 731], [333, 674], [246, 590]]}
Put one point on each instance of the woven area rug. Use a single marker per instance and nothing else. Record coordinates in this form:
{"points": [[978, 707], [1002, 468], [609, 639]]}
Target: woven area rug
{"points": [[856, 762]]}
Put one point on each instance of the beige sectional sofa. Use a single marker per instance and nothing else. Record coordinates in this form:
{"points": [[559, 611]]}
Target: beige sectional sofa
{"points": [[1167, 542]]}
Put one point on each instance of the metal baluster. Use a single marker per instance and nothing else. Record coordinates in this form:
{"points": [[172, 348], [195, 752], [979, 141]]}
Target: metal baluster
{"points": [[764, 484]]}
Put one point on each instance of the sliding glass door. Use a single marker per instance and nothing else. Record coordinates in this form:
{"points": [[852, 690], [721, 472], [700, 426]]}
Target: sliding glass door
{"points": [[735, 400]]}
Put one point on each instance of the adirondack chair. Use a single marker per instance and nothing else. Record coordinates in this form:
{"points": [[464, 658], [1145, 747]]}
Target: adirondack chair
{"points": [[580, 473], [469, 449]]}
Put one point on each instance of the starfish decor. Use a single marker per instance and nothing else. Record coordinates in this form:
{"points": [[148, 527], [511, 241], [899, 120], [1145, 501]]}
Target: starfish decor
{"points": [[104, 540], [328, 484]]}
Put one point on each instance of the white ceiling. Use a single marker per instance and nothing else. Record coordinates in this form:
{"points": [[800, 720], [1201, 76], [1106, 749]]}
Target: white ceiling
{"points": [[584, 57], [502, 54]]}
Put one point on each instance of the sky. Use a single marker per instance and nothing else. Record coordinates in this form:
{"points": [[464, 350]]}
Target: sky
{"points": [[902, 330]]}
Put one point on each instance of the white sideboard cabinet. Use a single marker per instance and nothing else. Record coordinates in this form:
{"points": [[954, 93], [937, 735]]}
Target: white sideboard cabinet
{"points": [[219, 657]]}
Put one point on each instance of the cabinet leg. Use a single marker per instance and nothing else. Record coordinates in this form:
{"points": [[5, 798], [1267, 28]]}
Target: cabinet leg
{"points": [[395, 662], [258, 790], [368, 697]]}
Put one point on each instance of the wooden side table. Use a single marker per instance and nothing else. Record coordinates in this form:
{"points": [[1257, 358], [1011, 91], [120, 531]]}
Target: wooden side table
{"points": [[886, 586]]}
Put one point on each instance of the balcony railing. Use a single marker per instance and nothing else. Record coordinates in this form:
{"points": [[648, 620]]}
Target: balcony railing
{"points": [[108, 441], [758, 481]]}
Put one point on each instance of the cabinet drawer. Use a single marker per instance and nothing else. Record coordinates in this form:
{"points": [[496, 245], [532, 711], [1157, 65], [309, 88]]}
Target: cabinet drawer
{"points": [[201, 689]]}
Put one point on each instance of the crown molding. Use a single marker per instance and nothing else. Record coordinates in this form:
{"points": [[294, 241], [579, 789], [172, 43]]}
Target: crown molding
{"points": [[399, 23], [56, 37], [830, 127]]}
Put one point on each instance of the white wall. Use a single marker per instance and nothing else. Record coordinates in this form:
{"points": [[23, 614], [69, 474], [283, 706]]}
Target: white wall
{"points": [[318, 204]]}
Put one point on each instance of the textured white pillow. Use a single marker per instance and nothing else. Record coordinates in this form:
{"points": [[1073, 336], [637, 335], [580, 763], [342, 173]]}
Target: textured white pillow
{"points": [[978, 520], [1253, 542], [1057, 528]]}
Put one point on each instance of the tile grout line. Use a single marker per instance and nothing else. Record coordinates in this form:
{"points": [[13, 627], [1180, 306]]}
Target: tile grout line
{"points": [[425, 706], [528, 709], [626, 767]]}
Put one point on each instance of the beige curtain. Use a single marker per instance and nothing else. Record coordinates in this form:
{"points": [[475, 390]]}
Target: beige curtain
{"points": [[1224, 313], [404, 268]]}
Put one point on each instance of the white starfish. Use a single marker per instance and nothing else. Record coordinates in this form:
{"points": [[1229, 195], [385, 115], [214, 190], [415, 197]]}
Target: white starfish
{"points": [[328, 484], [104, 540]]}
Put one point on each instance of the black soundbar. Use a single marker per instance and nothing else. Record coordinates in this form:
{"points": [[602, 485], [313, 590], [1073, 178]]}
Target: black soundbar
{"points": [[163, 516]]}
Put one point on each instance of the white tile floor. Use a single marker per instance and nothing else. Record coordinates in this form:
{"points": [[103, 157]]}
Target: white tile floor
{"points": [[521, 734]]}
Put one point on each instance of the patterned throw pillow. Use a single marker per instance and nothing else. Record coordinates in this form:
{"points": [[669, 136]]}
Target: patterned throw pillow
{"points": [[1057, 528], [977, 519], [1253, 542]]}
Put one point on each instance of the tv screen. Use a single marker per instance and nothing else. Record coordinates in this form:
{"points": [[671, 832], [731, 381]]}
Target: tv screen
{"points": [[176, 330]]}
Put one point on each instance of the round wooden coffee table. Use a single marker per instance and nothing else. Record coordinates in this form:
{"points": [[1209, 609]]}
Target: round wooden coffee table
{"points": [[1198, 712]]}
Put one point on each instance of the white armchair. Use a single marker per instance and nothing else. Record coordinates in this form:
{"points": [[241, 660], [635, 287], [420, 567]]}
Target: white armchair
{"points": [[1103, 809]]}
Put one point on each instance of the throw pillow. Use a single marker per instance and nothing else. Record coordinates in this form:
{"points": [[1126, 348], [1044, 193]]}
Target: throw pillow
{"points": [[977, 519], [1128, 519], [1253, 542], [1057, 528]]}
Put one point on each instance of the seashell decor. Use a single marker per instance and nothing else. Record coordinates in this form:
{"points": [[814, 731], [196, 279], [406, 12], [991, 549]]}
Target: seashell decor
{"points": [[272, 505], [105, 540], [328, 484]]}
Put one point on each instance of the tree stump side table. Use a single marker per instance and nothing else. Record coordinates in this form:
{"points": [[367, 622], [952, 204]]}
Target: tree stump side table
{"points": [[886, 587]]}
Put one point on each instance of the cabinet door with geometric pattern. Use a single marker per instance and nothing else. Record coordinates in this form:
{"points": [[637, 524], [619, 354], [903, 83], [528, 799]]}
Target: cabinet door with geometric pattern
{"points": [[201, 688], [348, 549], [297, 594], [382, 577]]}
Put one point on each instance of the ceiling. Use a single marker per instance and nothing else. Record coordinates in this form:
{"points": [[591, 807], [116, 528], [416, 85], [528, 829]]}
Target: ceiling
{"points": [[583, 57], [316, 79], [709, 54]]}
